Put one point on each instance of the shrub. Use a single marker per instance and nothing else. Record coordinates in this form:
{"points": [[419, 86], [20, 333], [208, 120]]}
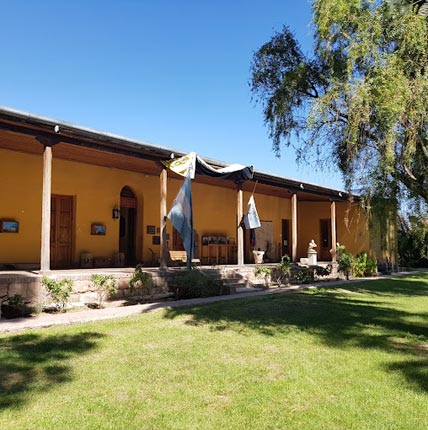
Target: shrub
{"points": [[344, 260], [105, 286], [59, 291], [14, 307], [302, 275], [321, 271], [265, 273], [371, 268], [140, 279], [363, 265], [281, 274], [195, 284], [15, 300]]}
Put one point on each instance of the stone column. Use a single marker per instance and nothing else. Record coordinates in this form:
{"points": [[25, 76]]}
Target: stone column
{"points": [[240, 231], [163, 258], [294, 228]]}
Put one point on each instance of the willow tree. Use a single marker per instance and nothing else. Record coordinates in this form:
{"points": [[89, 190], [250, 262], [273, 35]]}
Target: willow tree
{"points": [[360, 98]]}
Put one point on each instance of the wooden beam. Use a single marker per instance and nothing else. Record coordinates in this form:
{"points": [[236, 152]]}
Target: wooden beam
{"points": [[294, 227], [333, 231], [240, 231], [46, 210], [163, 243]]}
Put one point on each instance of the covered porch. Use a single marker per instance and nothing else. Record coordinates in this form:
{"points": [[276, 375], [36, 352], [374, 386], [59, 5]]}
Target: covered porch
{"points": [[75, 192]]}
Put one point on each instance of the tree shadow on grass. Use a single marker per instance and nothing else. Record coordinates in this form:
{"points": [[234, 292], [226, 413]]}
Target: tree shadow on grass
{"points": [[410, 286], [33, 363], [339, 319]]}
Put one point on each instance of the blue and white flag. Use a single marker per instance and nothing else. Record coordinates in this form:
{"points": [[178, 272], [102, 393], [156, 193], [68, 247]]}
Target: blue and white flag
{"points": [[251, 218], [181, 217]]}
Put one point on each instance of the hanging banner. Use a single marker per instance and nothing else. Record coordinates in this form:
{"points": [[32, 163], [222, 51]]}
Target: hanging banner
{"points": [[251, 218], [183, 166], [192, 163]]}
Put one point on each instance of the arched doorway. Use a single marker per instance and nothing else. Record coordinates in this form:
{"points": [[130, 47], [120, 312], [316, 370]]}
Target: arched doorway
{"points": [[128, 221]]}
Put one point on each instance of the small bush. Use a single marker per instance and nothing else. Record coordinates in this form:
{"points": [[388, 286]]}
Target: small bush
{"points": [[59, 291], [363, 265], [14, 307], [105, 286], [281, 273], [265, 273], [15, 300], [321, 271], [140, 279], [344, 260], [302, 275], [195, 284]]}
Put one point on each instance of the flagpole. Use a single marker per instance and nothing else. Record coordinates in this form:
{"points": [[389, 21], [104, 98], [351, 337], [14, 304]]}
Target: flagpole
{"points": [[240, 232], [163, 195]]}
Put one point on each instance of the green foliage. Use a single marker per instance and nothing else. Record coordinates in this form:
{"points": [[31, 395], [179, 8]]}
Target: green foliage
{"points": [[281, 274], [14, 307], [263, 271], [59, 291], [15, 300], [302, 275], [105, 285], [140, 279], [360, 266], [363, 265], [345, 261], [413, 241], [194, 284], [360, 99], [321, 271], [285, 264]]}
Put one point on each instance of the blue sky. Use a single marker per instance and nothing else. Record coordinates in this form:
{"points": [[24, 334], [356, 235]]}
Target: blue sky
{"points": [[172, 73]]}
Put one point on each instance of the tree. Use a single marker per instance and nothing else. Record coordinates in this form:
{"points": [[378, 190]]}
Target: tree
{"points": [[360, 99], [413, 241]]}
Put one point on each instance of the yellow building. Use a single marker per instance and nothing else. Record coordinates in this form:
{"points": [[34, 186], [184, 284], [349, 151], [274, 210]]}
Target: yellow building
{"points": [[71, 196]]}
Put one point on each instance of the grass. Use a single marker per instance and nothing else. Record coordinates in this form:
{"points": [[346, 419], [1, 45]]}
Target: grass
{"points": [[352, 357]]}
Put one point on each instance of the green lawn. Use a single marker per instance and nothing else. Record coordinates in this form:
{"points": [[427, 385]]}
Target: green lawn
{"points": [[352, 357]]}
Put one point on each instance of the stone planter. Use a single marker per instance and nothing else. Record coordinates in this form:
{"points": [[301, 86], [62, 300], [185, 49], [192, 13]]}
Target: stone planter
{"points": [[258, 256]]}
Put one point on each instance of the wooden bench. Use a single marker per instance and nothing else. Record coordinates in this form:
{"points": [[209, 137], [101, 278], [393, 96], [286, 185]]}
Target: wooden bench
{"points": [[180, 258]]}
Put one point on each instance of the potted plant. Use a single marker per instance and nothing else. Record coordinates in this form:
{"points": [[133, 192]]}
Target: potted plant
{"points": [[14, 307]]}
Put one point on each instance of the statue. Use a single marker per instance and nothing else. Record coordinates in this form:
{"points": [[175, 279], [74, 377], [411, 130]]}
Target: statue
{"points": [[312, 246]]}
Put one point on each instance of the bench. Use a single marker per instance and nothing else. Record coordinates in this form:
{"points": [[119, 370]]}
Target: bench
{"points": [[180, 257]]}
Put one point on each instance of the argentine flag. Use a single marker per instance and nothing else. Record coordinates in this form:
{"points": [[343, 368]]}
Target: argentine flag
{"points": [[181, 217]]}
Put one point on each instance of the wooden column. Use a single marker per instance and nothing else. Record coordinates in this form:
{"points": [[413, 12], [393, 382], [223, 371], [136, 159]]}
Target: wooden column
{"points": [[163, 258], [294, 227], [240, 231], [333, 231], [45, 254]]}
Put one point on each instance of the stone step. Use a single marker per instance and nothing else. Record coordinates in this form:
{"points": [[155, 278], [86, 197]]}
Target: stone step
{"points": [[234, 280], [240, 290]]}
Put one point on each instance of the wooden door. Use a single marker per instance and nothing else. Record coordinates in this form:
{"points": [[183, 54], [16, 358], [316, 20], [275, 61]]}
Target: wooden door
{"points": [[325, 236], [286, 244], [128, 225], [61, 231]]}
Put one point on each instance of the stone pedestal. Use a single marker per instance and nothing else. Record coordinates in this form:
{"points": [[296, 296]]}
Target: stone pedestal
{"points": [[312, 258]]}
